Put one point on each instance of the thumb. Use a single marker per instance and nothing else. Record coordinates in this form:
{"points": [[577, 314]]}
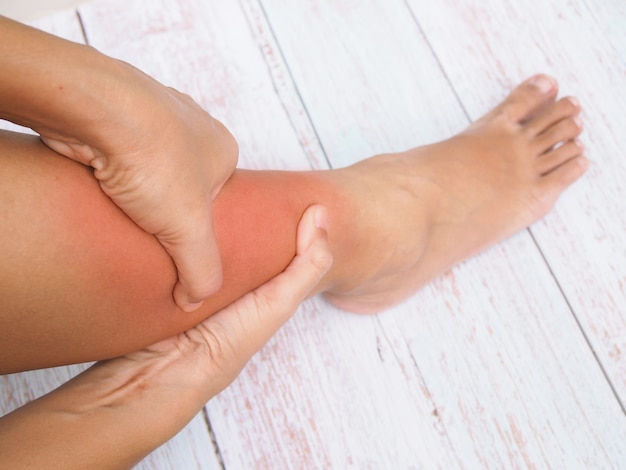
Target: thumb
{"points": [[193, 246], [76, 151], [197, 258], [246, 325]]}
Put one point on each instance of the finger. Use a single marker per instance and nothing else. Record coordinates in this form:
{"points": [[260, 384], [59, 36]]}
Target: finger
{"points": [[196, 256], [246, 325], [74, 150]]}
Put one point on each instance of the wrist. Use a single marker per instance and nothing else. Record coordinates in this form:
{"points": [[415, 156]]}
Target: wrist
{"points": [[88, 105], [119, 408], [65, 90]]}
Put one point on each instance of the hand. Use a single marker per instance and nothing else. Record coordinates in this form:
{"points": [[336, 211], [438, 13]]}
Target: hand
{"points": [[116, 412], [162, 160], [210, 355], [156, 153]]}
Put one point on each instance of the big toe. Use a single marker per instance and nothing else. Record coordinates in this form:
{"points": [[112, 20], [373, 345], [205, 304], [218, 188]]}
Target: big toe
{"points": [[529, 98]]}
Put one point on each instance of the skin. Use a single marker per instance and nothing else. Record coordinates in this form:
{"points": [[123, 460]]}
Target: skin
{"points": [[51, 262], [80, 280], [136, 134], [78, 254], [92, 421]]}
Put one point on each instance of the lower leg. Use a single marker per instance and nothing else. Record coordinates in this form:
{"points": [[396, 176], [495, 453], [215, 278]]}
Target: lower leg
{"points": [[79, 281], [82, 282]]}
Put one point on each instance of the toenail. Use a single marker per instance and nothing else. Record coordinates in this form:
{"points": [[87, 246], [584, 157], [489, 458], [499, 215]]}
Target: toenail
{"points": [[583, 162], [579, 144], [574, 101], [544, 83], [578, 122]]}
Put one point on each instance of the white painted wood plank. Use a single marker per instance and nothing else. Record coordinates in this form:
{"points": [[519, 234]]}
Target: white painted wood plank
{"points": [[64, 24], [204, 49], [513, 382], [34, 10], [515, 437], [610, 19], [189, 449], [284, 85], [322, 393], [19, 389], [366, 76], [583, 240], [330, 391]]}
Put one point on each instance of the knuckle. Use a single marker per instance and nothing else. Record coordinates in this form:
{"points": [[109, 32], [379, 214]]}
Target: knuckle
{"points": [[231, 146], [216, 346], [568, 107], [264, 304], [277, 304], [322, 260], [571, 104], [200, 291], [575, 124], [234, 153]]}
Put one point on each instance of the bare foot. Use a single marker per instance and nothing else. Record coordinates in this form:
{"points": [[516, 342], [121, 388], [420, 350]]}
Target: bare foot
{"points": [[439, 204]]}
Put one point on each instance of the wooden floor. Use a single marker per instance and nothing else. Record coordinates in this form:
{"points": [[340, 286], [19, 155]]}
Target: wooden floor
{"points": [[515, 359]]}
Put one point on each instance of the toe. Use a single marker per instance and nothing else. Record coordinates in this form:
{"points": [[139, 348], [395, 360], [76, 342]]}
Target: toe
{"points": [[555, 182], [529, 98], [564, 130], [565, 107], [549, 161]]}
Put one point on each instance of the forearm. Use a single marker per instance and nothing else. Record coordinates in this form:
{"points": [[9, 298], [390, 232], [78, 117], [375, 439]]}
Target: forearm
{"points": [[120, 410], [57, 87], [77, 272], [110, 416]]}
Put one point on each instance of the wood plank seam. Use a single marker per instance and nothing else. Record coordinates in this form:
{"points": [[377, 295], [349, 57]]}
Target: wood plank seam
{"points": [[438, 422], [428, 43], [469, 120], [216, 446], [82, 26], [521, 435], [529, 229], [284, 84], [607, 42], [578, 322]]}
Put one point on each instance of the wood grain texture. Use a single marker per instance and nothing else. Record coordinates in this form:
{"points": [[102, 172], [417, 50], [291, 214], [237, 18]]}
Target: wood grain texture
{"points": [[284, 86], [583, 239], [509, 306], [35, 10], [329, 391], [204, 49], [366, 76], [610, 21], [494, 364]]}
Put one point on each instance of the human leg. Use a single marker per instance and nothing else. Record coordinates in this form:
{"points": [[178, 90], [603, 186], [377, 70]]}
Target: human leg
{"points": [[81, 275], [79, 281], [504, 172]]}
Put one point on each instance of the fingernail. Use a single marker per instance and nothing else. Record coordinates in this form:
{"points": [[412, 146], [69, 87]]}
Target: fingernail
{"points": [[543, 83], [192, 307], [321, 218]]}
